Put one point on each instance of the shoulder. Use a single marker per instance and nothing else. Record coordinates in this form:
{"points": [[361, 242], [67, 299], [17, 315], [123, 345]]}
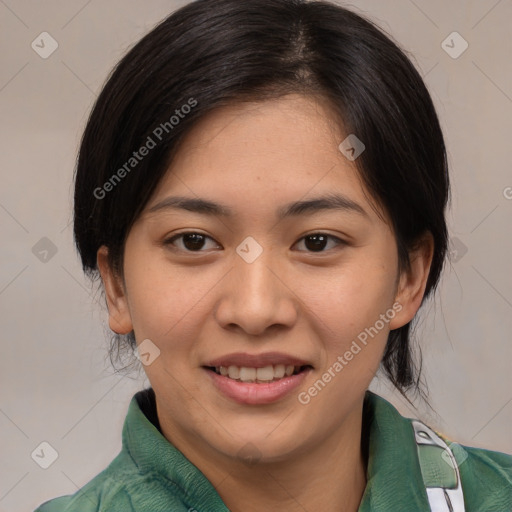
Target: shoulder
{"points": [[436, 467], [122, 487], [148, 475], [486, 477], [104, 492]]}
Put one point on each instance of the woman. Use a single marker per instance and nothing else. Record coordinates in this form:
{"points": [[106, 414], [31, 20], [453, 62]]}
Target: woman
{"points": [[262, 186]]}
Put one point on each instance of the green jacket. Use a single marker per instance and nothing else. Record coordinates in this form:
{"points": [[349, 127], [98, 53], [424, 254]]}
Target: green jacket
{"points": [[151, 475]]}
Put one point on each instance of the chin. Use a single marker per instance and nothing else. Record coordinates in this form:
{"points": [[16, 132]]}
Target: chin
{"points": [[257, 448]]}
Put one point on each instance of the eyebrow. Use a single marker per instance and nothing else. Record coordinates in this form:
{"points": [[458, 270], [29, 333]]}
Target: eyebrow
{"points": [[337, 202]]}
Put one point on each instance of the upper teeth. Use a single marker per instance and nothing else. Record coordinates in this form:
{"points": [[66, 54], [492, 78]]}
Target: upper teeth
{"points": [[266, 374]]}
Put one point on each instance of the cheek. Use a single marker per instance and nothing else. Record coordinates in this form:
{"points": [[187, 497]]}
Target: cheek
{"points": [[351, 298], [166, 301]]}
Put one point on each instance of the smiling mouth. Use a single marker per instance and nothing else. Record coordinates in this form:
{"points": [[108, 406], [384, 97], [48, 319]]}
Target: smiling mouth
{"points": [[263, 375]]}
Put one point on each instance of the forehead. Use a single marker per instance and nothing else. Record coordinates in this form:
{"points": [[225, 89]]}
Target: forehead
{"points": [[291, 124], [262, 154]]}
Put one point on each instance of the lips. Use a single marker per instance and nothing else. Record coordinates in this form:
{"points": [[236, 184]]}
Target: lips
{"points": [[264, 371], [257, 392]]}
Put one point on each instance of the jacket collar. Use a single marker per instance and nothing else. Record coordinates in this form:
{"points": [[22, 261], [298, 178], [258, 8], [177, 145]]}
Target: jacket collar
{"points": [[394, 480], [152, 453]]}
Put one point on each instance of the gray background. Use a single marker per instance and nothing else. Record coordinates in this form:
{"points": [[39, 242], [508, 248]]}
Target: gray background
{"points": [[57, 384]]}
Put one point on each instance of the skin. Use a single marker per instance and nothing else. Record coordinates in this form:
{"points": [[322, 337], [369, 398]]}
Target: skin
{"points": [[200, 304]]}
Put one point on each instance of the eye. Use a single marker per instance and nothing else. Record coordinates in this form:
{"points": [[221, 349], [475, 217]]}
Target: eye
{"points": [[316, 242], [194, 241], [191, 241]]}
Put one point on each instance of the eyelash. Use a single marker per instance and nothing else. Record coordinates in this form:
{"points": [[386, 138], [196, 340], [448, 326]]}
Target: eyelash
{"points": [[171, 240]]}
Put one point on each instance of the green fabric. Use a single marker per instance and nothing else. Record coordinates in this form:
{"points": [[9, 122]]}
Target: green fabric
{"points": [[436, 472], [150, 475]]}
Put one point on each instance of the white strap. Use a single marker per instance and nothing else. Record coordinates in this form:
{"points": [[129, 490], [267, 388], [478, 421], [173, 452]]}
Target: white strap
{"points": [[441, 499]]}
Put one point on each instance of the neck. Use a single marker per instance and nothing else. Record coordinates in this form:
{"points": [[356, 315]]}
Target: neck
{"points": [[331, 476], [331, 481]]}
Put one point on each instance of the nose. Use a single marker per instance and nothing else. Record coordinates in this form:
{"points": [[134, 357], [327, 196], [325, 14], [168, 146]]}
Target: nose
{"points": [[257, 296]]}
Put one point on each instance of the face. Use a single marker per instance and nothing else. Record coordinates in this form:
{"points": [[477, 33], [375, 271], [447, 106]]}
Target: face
{"points": [[291, 270]]}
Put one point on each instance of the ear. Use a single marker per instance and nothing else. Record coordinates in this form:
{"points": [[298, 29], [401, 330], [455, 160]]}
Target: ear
{"points": [[118, 311], [412, 282]]}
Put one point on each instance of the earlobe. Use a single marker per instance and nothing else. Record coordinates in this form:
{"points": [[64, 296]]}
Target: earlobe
{"points": [[118, 311], [412, 283]]}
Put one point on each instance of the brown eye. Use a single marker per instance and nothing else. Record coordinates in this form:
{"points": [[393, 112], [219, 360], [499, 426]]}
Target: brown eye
{"points": [[317, 242], [190, 242]]}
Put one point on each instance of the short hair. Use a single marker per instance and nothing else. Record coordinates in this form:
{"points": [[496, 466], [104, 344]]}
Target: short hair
{"points": [[214, 53]]}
